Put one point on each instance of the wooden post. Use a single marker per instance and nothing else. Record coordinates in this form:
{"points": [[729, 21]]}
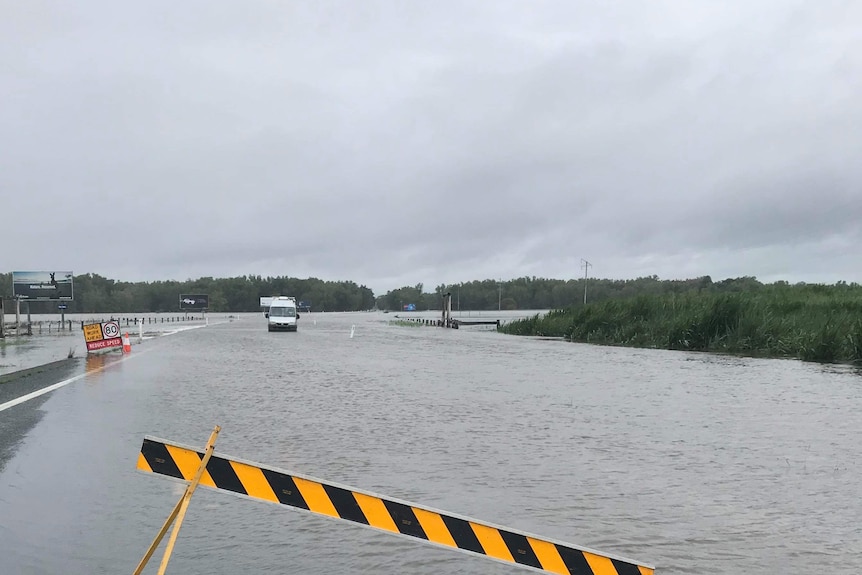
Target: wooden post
{"points": [[449, 309], [29, 322], [443, 307], [17, 317], [178, 513], [2, 320]]}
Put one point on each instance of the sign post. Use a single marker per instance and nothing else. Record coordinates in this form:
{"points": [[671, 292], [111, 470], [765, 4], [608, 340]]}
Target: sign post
{"points": [[42, 286], [39, 286], [2, 320]]}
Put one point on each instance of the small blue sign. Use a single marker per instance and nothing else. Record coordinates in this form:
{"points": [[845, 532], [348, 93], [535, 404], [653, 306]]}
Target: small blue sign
{"points": [[61, 306], [410, 307]]}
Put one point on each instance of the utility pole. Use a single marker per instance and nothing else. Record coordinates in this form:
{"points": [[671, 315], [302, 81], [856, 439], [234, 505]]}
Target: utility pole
{"points": [[500, 296], [586, 265]]}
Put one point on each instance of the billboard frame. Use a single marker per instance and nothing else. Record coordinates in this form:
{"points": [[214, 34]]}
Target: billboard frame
{"points": [[193, 297], [40, 280]]}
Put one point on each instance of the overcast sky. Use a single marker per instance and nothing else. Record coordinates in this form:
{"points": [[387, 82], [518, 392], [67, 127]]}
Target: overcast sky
{"points": [[392, 143]]}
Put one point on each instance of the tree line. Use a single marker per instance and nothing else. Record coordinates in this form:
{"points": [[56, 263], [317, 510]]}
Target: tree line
{"points": [[95, 293], [532, 293]]}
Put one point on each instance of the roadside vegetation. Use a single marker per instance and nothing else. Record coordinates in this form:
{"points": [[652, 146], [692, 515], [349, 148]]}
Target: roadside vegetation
{"points": [[404, 323], [819, 323]]}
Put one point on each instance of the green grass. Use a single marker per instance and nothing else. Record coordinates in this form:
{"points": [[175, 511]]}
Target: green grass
{"points": [[404, 323], [810, 323]]}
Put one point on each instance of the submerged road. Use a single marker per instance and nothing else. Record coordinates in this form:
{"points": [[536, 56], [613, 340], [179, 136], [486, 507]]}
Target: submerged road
{"points": [[692, 462], [28, 387]]}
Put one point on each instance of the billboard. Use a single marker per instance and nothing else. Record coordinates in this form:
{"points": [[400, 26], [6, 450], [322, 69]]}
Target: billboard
{"points": [[103, 335], [409, 307], [266, 301], [42, 286], [194, 301]]}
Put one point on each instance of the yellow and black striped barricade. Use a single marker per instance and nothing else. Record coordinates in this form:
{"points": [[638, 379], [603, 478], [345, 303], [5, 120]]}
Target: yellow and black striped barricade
{"points": [[266, 483]]}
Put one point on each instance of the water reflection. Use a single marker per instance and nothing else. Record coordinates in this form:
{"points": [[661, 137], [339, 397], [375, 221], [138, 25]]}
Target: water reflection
{"points": [[95, 363], [14, 424]]}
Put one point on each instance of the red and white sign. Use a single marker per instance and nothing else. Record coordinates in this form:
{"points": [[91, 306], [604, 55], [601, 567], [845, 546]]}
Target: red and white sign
{"points": [[104, 343]]}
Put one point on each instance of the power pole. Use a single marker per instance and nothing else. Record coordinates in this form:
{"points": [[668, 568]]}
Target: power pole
{"points": [[586, 265]]}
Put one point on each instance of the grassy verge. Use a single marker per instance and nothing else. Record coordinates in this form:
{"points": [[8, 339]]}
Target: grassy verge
{"points": [[811, 323]]}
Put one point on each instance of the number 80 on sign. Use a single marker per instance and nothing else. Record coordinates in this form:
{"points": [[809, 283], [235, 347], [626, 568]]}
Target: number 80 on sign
{"points": [[111, 329]]}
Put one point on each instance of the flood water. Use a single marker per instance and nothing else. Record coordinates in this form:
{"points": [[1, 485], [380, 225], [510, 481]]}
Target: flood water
{"points": [[54, 339], [693, 463]]}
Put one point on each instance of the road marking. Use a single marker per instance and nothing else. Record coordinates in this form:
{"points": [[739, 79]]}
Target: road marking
{"points": [[50, 388], [65, 382]]}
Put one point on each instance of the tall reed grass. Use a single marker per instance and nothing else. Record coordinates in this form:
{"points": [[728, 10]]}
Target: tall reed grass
{"points": [[811, 323]]}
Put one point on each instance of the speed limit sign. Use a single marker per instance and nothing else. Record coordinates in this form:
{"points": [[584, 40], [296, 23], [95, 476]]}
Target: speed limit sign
{"points": [[111, 329]]}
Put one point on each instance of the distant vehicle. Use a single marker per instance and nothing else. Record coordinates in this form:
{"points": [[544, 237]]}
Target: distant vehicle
{"points": [[282, 314]]}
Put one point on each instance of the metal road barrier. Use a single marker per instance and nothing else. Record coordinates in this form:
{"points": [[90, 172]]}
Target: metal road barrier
{"points": [[264, 483]]}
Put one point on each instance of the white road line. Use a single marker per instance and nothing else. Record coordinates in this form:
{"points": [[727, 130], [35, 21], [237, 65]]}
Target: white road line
{"points": [[50, 388], [58, 385]]}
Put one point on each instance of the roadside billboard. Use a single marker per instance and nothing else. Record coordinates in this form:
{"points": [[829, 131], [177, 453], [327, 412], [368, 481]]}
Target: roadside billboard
{"points": [[104, 335], [194, 301], [42, 286], [266, 301]]}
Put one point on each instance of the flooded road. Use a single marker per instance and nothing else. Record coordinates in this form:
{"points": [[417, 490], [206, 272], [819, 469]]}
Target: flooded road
{"points": [[693, 463]]}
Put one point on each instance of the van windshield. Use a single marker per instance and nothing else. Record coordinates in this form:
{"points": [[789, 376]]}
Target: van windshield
{"points": [[282, 312]]}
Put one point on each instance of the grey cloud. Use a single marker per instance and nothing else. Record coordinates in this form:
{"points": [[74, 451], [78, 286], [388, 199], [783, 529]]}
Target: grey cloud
{"points": [[434, 142]]}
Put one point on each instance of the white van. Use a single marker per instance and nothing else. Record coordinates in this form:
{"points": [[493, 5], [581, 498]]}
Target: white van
{"points": [[282, 314]]}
